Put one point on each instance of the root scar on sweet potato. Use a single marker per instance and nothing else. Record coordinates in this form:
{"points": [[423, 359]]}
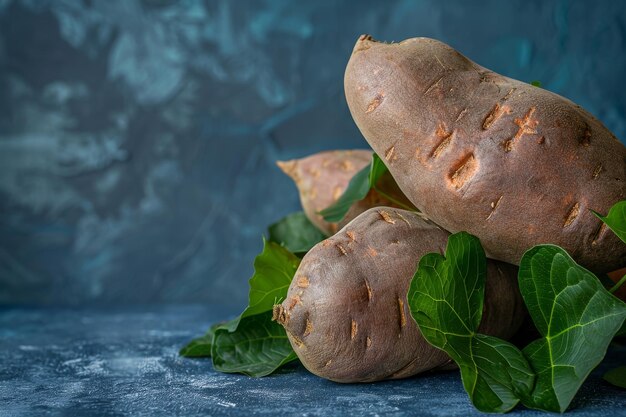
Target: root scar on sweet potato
{"points": [[596, 171], [463, 171], [375, 102], [279, 314], [495, 114], [433, 85], [298, 342], [401, 311], [494, 206], [389, 154], [309, 328], [508, 95], [446, 138], [403, 219], [526, 124], [302, 282], [461, 114], [294, 301], [386, 217], [598, 234], [572, 214], [347, 165], [369, 289]]}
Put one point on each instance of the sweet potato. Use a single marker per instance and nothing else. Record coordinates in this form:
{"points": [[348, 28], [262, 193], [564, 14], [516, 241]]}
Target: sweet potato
{"points": [[511, 163], [322, 178], [346, 311]]}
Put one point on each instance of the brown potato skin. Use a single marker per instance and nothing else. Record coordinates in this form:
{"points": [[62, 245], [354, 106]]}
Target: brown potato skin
{"points": [[322, 178], [346, 311], [511, 163]]}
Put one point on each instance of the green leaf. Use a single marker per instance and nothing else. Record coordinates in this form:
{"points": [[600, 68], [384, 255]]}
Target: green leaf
{"points": [[616, 376], [577, 318], [446, 300], [252, 343], [257, 348], [616, 219], [296, 233], [357, 189], [200, 347], [273, 271], [536, 83], [377, 170]]}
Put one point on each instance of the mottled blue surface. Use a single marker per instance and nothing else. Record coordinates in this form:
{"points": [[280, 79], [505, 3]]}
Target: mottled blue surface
{"points": [[124, 362], [138, 138]]}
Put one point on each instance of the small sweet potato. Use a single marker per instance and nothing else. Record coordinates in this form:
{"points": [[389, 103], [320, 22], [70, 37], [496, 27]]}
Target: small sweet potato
{"points": [[346, 311], [511, 163], [322, 178]]}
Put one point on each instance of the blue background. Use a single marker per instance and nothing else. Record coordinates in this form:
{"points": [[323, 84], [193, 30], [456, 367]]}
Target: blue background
{"points": [[138, 138]]}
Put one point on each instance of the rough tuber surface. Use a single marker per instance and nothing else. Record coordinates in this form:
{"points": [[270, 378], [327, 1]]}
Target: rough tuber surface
{"points": [[509, 162], [346, 310]]}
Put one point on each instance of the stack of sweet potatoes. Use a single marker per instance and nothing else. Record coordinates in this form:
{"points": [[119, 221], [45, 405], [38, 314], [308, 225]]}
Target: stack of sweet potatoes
{"points": [[470, 150]]}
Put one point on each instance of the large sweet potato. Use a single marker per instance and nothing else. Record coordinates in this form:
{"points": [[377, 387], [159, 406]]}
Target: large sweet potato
{"points": [[346, 311], [322, 178], [511, 163]]}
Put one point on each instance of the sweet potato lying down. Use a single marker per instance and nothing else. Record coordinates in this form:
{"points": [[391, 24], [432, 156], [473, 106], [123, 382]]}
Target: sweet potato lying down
{"points": [[346, 311], [322, 178], [513, 164]]}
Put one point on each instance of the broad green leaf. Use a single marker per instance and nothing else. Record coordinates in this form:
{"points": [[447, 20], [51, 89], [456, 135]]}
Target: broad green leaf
{"points": [[257, 348], [357, 189], [616, 376], [251, 343], [296, 233], [446, 300], [616, 219], [273, 270], [200, 347], [535, 83], [577, 318]]}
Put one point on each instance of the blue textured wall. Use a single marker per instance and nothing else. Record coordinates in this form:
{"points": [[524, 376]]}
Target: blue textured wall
{"points": [[138, 138]]}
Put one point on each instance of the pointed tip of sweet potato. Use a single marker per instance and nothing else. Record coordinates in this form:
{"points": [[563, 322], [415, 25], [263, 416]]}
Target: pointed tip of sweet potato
{"points": [[289, 167]]}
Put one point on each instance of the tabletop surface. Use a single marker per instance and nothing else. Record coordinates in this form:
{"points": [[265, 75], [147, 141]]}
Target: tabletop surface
{"points": [[125, 362]]}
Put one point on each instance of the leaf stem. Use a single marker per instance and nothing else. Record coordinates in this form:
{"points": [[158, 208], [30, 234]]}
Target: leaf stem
{"points": [[619, 284], [393, 200]]}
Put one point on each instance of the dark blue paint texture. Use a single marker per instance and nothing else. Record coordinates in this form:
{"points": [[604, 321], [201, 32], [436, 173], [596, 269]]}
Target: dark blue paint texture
{"points": [[138, 138], [124, 362]]}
